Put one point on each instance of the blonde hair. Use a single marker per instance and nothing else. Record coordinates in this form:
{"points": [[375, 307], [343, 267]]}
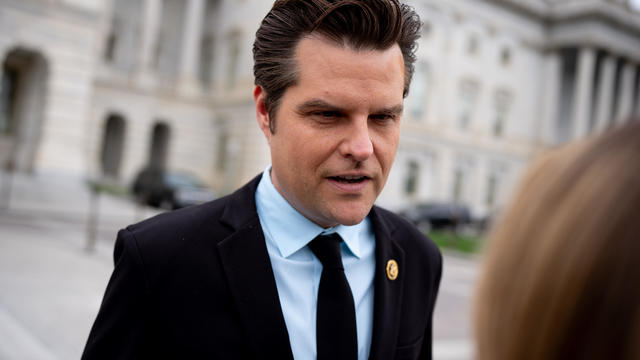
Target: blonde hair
{"points": [[561, 278]]}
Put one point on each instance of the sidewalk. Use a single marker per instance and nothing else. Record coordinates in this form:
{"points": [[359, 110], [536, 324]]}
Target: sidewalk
{"points": [[51, 287]]}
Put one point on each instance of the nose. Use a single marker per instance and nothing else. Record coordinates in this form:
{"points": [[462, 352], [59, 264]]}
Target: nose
{"points": [[357, 144]]}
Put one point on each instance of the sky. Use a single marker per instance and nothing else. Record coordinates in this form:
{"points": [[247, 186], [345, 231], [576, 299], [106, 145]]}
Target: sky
{"points": [[635, 4]]}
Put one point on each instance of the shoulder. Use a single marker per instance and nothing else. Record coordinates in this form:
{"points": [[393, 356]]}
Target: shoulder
{"points": [[414, 242], [166, 236], [401, 229], [211, 222], [179, 223]]}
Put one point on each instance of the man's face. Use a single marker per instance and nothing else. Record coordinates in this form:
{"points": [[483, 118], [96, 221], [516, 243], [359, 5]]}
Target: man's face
{"points": [[336, 130]]}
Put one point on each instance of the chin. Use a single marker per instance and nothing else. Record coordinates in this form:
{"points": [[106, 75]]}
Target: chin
{"points": [[350, 222], [349, 213], [352, 219]]}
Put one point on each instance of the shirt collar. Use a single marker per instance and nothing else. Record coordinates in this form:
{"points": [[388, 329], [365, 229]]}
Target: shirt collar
{"points": [[290, 230]]}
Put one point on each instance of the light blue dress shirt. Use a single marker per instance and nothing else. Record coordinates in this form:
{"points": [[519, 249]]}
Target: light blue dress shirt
{"points": [[297, 271]]}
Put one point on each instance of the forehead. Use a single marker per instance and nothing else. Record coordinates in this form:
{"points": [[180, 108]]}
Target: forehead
{"points": [[336, 70]]}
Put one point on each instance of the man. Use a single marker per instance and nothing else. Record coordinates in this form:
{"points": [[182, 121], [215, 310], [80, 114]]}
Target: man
{"points": [[255, 274]]}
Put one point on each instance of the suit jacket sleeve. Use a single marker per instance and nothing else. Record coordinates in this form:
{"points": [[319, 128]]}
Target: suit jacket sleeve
{"points": [[118, 327]]}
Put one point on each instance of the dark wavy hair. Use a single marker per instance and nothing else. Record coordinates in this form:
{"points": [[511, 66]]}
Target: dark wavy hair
{"points": [[359, 24]]}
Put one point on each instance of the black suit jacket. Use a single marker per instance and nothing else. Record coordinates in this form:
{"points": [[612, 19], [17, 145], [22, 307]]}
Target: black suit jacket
{"points": [[197, 283]]}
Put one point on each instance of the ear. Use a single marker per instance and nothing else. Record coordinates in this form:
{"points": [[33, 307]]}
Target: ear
{"points": [[262, 115]]}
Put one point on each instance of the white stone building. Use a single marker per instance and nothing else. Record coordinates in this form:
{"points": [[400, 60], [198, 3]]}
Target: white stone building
{"points": [[498, 81], [100, 88], [47, 52]]}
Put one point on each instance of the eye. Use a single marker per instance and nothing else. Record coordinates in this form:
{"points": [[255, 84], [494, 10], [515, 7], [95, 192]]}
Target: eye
{"points": [[327, 114], [383, 118]]}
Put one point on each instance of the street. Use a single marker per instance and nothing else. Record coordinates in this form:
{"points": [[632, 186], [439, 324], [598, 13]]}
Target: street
{"points": [[51, 286]]}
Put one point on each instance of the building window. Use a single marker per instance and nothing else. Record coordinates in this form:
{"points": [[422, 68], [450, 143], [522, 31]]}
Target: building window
{"points": [[234, 57], [411, 184], [123, 38], [8, 99], [492, 189], [501, 104], [222, 151], [168, 49], [206, 61], [426, 29], [419, 90], [458, 186], [112, 143], [208, 44], [473, 45], [111, 42], [23, 93], [159, 147], [505, 56], [468, 96]]}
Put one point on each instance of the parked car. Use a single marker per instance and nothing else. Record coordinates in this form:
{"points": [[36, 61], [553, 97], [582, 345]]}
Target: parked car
{"points": [[437, 215], [169, 189]]}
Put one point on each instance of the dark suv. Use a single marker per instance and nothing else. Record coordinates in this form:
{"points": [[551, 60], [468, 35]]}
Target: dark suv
{"points": [[437, 215], [169, 189]]}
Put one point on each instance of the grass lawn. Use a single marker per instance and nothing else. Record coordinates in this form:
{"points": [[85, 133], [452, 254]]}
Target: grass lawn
{"points": [[112, 189], [463, 243]]}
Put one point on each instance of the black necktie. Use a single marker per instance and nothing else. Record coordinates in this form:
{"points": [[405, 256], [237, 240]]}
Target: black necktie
{"points": [[336, 336]]}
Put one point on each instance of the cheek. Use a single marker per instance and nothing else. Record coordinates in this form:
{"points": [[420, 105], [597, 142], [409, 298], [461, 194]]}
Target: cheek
{"points": [[386, 150], [313, 148], [297, 155]]}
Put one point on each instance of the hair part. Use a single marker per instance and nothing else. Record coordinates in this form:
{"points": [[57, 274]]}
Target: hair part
{"points": [[358, 24]]}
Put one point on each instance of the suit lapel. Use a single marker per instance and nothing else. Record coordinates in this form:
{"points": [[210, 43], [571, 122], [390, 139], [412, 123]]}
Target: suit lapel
{"points": [[388, 293], [246, 264]]}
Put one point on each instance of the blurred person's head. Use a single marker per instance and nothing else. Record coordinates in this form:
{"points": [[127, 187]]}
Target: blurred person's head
{"points": [[331, 77], [355, 24], [562, 273]]}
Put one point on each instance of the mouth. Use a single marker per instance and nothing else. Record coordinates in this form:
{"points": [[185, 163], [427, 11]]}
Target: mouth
{"points": [[349, 179], [350, 184]]}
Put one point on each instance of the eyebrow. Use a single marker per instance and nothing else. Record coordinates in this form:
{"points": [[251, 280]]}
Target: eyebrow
{"points": [[318, 103], [314, 104], [394, 110]]}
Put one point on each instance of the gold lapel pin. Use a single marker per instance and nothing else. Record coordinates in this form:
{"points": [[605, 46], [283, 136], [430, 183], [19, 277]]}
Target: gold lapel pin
{"points": [[392, 269]]}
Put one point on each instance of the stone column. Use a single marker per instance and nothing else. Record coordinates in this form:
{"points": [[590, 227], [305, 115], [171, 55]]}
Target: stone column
{"points": [[550, 96], [605, 93], [481, 182], [192, 34], [636, 112], [444, 174], [583, 89], [3, 110], [625, 102], [151, 13]]}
